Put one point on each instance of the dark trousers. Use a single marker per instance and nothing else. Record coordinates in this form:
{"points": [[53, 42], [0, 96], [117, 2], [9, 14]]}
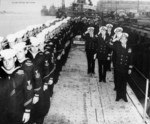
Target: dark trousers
{"points": [[121, 83], [115, 82], [102, 69], [108, 65], [90, 61]]}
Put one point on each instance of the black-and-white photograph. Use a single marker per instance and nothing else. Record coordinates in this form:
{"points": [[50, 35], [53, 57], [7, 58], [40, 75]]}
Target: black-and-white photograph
{"points": [[74, 61]]}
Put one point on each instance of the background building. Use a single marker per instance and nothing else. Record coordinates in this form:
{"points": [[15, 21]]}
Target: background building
{"points": [[128, 5]]}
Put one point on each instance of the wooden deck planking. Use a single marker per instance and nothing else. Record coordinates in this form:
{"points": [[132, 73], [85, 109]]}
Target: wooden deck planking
{"points": [[80, 99]]}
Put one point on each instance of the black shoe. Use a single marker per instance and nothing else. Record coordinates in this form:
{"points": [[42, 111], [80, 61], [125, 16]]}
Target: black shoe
{"points": [[104, 81], [125, 99], [115, 89], [100, 80], [117, 99]]}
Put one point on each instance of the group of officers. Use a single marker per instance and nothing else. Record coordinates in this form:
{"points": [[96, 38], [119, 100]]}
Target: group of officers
{"points": [[30, 62], [109, 45]]}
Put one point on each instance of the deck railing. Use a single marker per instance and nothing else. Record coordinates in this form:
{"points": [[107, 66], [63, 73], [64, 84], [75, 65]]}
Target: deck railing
{"points": [[146, 92]]}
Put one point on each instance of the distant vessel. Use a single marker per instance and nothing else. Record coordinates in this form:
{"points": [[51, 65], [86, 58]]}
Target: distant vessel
{"points": [[50, 12], [81, 8]]}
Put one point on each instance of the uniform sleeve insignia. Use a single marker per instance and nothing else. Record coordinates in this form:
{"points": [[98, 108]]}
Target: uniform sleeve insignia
{"points": [[41, 53], [47, 52], [37, 74], [46, 63], [29, 63], [29, 86], [20, 72], [129, 50]]}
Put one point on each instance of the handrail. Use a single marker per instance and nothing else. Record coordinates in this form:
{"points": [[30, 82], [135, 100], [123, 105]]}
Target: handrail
{"points": [[146, 99], [140, 73], [146, 92]]}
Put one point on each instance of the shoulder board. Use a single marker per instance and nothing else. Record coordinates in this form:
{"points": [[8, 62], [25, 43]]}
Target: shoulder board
{"points": [[20, 72]]}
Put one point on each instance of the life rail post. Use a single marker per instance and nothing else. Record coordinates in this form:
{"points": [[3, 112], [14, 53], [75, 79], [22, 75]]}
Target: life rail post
{"points": [[146, 98]]}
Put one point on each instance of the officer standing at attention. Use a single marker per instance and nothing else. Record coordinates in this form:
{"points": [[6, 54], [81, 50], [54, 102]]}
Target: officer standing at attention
{"points": [[19, 91], [90, 48], [123, 65], [116, 37], [102, 53], [109, 34]]}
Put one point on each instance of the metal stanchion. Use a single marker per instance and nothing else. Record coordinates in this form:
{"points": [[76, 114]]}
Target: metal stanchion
{"points": [[146, 98]]}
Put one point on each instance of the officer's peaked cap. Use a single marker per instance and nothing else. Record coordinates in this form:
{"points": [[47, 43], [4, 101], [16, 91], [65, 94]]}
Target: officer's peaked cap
{"points": [[125, 34], [109, 25], [90, 28], [118, 29], [102, 28]]}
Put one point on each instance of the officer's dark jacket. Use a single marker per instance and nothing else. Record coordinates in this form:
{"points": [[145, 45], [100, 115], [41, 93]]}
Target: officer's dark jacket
{"points": [[90, 42], [123, 57], [102, 48], [109, 37], [19, 93]]}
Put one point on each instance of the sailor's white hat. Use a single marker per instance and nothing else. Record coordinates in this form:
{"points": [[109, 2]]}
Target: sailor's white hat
{"points": [[19, 46], [11, 37], [1, 39], [34, 41], [30, 28], [8, 53], [20, 34], [41, 38]]}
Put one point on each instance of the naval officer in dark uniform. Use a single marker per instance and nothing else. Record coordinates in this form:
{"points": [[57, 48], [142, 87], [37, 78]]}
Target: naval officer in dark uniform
{"points": [[123, 65], [109, 35], [90, 48], [102, 53], [116, 37]]}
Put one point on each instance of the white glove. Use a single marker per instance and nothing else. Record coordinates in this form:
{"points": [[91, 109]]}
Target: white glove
{"points": [[63, 52], [26, 117], [35, 99], [86, 32], [114, 40], [50, 82], [95, 56], [108, 58], [58, 57], [129, 71], [45, 87]]}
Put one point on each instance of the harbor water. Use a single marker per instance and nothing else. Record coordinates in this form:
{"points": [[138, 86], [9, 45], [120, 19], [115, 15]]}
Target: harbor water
{"points": [[11, 23]]}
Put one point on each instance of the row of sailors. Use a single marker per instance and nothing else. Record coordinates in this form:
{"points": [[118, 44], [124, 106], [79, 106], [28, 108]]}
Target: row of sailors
{"points": [[29, 70], [107, 45]]}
